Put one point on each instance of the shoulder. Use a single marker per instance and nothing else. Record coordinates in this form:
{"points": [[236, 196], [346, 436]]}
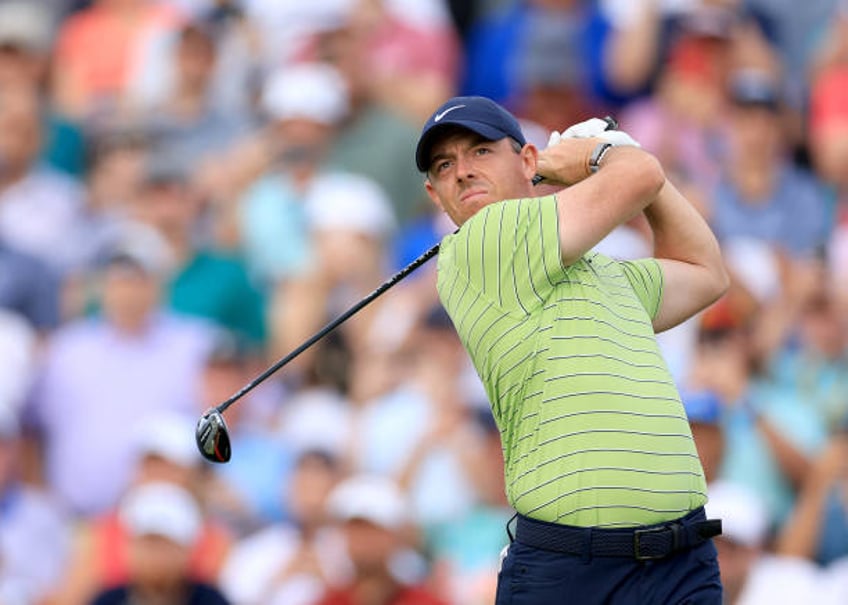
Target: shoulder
{"points": [[76, 332]]}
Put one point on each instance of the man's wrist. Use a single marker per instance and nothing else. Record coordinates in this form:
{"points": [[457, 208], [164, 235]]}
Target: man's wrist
{"points": [[597, 155]]}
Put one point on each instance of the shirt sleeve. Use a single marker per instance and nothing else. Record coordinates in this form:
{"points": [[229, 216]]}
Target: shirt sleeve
{"points": [[510, 251], [646, 279]]}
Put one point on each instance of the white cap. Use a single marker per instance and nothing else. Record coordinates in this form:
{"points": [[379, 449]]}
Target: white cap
{"points": [[371, 498], [743, 514], [26, 24], [349, 202], [143, 246], [170, 436], [161, 509], [316, 419], [310, 91]]}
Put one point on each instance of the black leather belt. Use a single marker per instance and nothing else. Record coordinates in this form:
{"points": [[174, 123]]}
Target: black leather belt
{"points": [[644, 543]]}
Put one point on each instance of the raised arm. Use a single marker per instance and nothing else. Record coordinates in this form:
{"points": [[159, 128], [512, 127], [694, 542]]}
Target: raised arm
{"points": [[626, 182], [693, 270]]}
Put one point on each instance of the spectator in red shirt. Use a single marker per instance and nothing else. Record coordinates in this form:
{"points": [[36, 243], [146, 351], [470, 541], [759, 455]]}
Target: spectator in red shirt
{"points": [[373, 514]]}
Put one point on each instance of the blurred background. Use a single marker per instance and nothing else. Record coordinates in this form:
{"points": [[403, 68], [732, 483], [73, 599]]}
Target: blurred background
{"points": [[190, 188]]}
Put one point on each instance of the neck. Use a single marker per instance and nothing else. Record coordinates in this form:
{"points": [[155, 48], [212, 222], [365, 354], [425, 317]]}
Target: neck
{"points": [[188, 101], [754, 179], [164, 593], [11, 174], [374, 589]]}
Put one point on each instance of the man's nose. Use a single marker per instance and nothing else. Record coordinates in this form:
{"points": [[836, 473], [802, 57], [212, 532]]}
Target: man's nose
{"points": [[464, 167]]}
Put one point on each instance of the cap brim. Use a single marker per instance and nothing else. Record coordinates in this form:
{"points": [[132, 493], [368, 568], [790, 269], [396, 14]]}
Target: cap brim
{"points": [[425, 143]]}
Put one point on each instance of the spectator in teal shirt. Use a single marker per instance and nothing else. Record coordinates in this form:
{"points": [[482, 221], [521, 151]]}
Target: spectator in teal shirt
{"points": [[205, 282]]}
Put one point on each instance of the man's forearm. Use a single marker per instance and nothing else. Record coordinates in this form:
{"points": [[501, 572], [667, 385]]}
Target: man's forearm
{"points": [[681, 233]]}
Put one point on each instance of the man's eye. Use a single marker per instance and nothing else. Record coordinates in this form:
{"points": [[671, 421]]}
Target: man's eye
{"points": [[482, 151], [442, 166]]}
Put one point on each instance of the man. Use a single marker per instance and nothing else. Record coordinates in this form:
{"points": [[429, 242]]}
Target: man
{"points": [[96, 376], [163, 521], [599, 458], [372, 512]]}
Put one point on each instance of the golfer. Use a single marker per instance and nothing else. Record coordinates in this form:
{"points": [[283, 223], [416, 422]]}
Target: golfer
{"points": [[599, 459]]}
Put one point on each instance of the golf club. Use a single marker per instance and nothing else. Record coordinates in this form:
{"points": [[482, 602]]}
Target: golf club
{"points": [[213, 439]]}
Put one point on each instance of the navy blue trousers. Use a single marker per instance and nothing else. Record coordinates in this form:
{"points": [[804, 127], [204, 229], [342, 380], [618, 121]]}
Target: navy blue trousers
{"points": [[531, 576]]}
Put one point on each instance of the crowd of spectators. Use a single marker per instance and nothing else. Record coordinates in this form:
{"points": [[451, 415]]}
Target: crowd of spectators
{"points": [[190, 188]]}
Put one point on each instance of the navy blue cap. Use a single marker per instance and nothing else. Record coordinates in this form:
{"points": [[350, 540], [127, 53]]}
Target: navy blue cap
{"points": [[477, 114]]}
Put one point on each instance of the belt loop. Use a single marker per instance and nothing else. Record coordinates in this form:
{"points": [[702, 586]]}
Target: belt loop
{"points": [[508, 530], [587, 546], [676, 534]]}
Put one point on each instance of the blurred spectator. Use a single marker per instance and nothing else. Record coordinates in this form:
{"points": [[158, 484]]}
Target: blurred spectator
{"points": [[165, 453], [18, 359], [291, 563], [371, 123], [109, 372], [184, 114], [412, 421], [547, 69], [769, 435], [761, 193], [745, 526], [350, 221], [372, 514], [704, 411], [796, 35], [445, 450], [678, 122], [318, 414], [828, 138], [411, 53], [88, 83], [40, 208], [163, 522], [818, 527], [305, 104], [750, 574], [29, 288], [26, 41], [465, 546], [497, 40], [814, 362], [244, 494], [204, 282], [34, 535]]}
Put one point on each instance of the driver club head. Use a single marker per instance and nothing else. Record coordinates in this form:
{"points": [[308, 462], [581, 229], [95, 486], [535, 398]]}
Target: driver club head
{"points": [[213, 439]]}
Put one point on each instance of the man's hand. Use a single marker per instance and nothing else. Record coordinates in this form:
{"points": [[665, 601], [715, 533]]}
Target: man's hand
{"points": [[593, 128]]}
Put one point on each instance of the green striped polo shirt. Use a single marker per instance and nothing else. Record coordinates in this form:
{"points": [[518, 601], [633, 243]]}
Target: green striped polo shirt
{"points": [[592, 427]]}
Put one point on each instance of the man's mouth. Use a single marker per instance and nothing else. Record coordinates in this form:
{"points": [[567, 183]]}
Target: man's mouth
{"points": [[471, 193]]}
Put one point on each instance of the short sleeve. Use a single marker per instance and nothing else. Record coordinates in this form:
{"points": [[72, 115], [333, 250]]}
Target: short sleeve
{"points": [[510, 252], [646, 279]]}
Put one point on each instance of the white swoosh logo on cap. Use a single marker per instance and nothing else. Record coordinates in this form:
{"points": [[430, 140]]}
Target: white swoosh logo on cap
{"points": [[439, 116]]}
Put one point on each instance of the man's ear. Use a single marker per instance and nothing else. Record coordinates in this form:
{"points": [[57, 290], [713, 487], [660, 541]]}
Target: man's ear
{"points": [[530, 158], [433, 195]]}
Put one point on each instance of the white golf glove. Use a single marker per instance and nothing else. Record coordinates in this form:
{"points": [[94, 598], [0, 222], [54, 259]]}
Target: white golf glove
{"points": [[594, 127]]}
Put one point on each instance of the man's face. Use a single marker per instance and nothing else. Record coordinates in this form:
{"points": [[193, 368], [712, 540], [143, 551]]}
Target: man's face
{"points": [[468, 172]]}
